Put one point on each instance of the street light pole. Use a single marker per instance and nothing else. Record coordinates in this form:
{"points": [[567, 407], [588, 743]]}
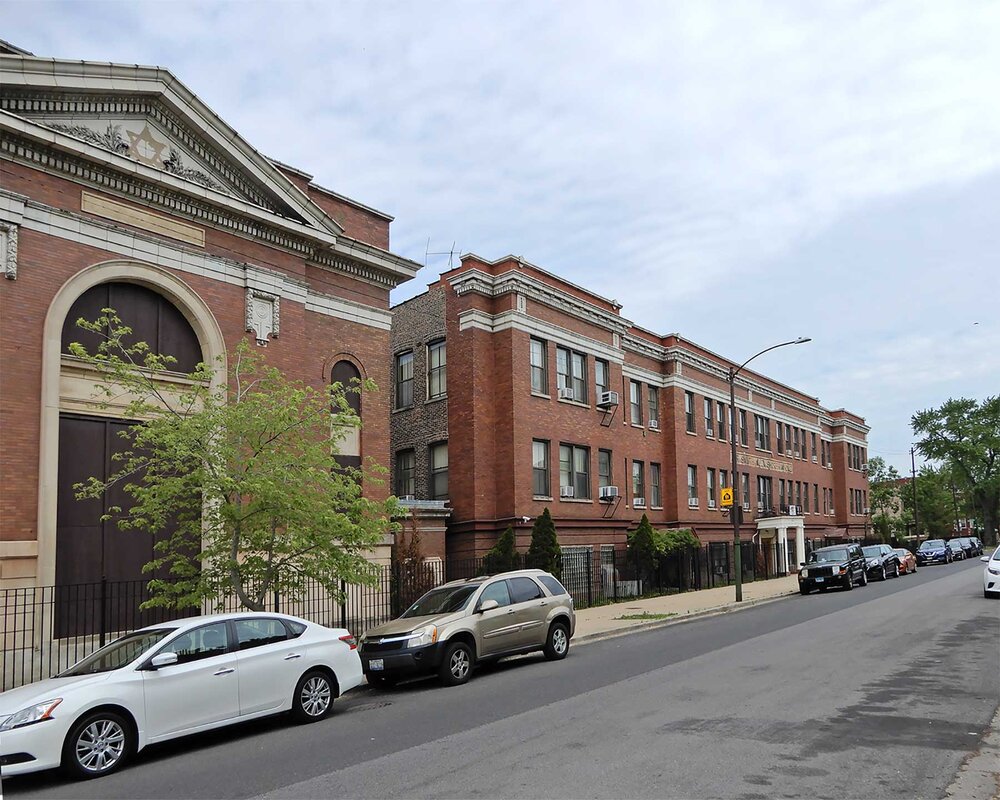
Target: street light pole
{"points": [[736, 512]]}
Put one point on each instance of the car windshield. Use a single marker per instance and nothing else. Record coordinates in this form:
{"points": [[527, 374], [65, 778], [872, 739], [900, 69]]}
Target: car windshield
{"points": [[119, 653], [873, 552], [996, 555], [953, 544], [932, 544], [445, 600], [821, 556], [901, 552]]}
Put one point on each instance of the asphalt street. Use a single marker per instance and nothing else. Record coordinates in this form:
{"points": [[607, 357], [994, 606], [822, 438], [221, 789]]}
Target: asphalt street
{"points": [[880, 692]]}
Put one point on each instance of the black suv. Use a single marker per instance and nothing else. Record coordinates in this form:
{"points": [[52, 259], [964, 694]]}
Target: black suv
{"points": [[882, 561], [840, 565]]}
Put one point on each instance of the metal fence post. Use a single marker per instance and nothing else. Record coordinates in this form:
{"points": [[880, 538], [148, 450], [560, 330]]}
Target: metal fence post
{"points": [[103, 626], [590, 579], [343, 603]]}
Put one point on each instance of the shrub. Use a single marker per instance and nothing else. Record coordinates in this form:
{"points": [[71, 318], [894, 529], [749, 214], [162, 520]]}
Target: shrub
{"points": [[643, 548], [544, 552], [503, 556]]}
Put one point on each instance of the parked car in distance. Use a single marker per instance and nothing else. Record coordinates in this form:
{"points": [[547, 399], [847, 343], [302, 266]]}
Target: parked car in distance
{"points": [[991, 575], [463, 623], [840, 565], [934, 551], [957, 551], [907, 561], [967, 545], [882, 561], [978, 544], [173, 679]]}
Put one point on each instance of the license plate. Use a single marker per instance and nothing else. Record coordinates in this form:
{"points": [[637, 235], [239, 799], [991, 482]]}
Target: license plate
{"points": [[819, 580], [375, 664]]}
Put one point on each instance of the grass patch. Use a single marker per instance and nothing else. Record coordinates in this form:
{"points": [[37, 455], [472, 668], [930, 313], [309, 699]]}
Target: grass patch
{"points": [[647, 616]]}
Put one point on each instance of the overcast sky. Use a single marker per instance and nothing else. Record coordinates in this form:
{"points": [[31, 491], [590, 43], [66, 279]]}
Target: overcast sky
{"points": [[739, 173]]}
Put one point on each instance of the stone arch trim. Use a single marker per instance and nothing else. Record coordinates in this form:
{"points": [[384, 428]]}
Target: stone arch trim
{"points": [[329, 363], [164, 282]]}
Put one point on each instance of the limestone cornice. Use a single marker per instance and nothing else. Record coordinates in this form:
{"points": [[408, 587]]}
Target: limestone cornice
{"points": [[513, 282]]}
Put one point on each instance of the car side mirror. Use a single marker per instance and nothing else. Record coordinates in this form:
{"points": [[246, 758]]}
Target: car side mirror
{"points": [[487, 605], [163, 660], [986, 559], [802, 563]]}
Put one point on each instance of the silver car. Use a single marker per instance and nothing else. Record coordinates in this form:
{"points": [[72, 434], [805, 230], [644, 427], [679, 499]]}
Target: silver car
{"points": [[459, 624]]}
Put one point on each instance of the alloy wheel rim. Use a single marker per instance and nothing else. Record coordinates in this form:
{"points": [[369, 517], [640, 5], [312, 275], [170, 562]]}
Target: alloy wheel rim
{"points": [[315, 696], [100, 745], [459, 663], [559, 641]]}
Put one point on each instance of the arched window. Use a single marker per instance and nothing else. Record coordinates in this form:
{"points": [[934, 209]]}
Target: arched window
{"points": [[349, 446]]}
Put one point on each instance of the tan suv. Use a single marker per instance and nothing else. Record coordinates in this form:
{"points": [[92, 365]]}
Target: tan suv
{"points": [[459, 624]]}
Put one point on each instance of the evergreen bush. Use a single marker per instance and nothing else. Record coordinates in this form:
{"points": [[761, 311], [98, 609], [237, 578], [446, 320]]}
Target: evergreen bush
{"points": [[503, 556], [544, 552]]}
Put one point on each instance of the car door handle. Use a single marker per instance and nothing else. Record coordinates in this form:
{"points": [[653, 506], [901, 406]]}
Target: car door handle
{"points": [[292, 656], [510, 612], [544, 603], [224, 671]]}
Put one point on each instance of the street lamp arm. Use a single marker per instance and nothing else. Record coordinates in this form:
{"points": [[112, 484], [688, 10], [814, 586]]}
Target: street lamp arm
{"points": [[800, 340]]}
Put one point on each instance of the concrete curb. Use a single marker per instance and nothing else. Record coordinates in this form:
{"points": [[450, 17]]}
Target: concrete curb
{"points": [[979, 775], [715, 611]]}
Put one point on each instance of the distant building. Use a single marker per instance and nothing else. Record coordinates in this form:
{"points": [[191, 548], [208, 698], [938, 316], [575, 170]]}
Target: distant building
{"points": [[516, 390]]}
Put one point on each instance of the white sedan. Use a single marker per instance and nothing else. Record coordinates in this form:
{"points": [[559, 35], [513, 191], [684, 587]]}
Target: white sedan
{"points": [[172, 679], [991, 575]]}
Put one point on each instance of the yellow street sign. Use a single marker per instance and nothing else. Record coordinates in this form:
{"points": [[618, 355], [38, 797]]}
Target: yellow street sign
{"points": [[727, 496]]}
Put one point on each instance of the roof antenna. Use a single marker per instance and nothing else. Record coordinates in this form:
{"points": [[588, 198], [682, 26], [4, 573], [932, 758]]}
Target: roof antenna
{"points": [[450, 253]]}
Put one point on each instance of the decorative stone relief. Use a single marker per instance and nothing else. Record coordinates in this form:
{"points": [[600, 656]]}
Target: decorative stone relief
{"points": [[8, 250], [522, 303], [616, 339], [262, 315]]}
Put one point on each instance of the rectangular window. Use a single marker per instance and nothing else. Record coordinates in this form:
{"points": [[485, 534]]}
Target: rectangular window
{"points": [[689, 411], [815, 498], [743, 427], [805, 498], [710, 486], [439, 471], [574, 469], [798, 495], [788, 440], [638, 482], [437, 370], [404, 380], [781, 492], [540, 468], [723, 432], [778, 433], [762, 432], [745, 490], [813, 440], [709, 417], [723, 478], [795, 442], [571, 373], [653, 405], [655, 496], [635, 401], [539, 366], [692, 485], [764, 497], [604, 468], [406, 471], [602, 377]]}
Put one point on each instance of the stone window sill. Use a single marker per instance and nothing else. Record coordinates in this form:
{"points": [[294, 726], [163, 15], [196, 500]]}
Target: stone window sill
{"points": [[541, 497], [430, 400], [574, 500], [540, 394], [577, 403], [400, 410]]}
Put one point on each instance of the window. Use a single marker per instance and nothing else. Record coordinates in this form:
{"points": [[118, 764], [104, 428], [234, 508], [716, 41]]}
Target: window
{"points": [[554, 587], [813, 448], [762, 432], [439, 471], [574, 469], [781, 492], [635, 401], [788, 440], [604, 468], [723, 433], [723, 478], [798, 495], [539, 366], [655, 496], [778, 432], [571, 372], [540, 468], [805, 499], [638, 481], [204, 642], [795, 442], [653, 404], [437, 370], [689, 411], [523, 590], [764, 496], [692, 485], [815, 498], [743, 427], [496, 591], [404, 380], [259, 632], [602, 377], [710, 486], [406, 470], [709, 417], [826, 501], [745, 490]]}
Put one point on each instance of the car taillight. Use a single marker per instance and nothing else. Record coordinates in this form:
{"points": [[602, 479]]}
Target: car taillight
{"points": [[350, 641]]}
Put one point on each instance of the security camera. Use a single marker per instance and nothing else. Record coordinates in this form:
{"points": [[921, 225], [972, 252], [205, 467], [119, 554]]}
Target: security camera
{"points": [[525, 519]]}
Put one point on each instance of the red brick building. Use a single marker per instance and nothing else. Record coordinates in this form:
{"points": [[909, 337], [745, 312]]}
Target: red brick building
{"points": [[516, 390], [117, 184]]}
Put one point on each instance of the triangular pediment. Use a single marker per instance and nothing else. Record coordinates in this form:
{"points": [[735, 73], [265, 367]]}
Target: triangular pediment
{"points": [[146, 115]]}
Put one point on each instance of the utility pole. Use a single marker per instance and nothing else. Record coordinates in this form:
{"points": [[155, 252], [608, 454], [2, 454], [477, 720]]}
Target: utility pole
{"points": [[913, 472]]}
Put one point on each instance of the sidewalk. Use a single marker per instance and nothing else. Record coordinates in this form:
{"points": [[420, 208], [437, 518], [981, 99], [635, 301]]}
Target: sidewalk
{"points": [[604, 621]]}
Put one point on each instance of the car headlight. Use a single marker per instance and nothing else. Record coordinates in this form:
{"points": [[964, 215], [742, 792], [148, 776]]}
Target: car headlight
{"points": [[988, 569], [872, 562], [30, 715], [423, 636], [804, 573]]}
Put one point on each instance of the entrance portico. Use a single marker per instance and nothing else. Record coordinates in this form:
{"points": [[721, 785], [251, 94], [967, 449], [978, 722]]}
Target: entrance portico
{"points": [[776, 530]]}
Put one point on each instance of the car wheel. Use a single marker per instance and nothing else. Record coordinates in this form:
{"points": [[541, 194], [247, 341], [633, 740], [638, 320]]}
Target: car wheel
{"points": [[98, 744], [895, 571], [850, 581], [456, 666], [557, 643], [314, 696], [381, 681], [884, 575], [864, 577]]}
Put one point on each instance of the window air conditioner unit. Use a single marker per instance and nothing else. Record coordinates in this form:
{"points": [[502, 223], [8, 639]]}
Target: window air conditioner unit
{"points": [[793, 511], [746, 505], [566, 491], [692, 502], [608, 399], [638, 502], [408, 497], [711, 504], [608, 492], [814, 459], [864, 467], [760, 506], [868, 511], [566, 393], [654, 425]]}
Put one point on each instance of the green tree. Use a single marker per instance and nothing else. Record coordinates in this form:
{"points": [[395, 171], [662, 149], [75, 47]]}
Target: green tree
{"points": [[883, 496], [237, 475], [676, 540], [503, 556], [643, 548], [935, 504], [965, 435], [544, 552]]}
